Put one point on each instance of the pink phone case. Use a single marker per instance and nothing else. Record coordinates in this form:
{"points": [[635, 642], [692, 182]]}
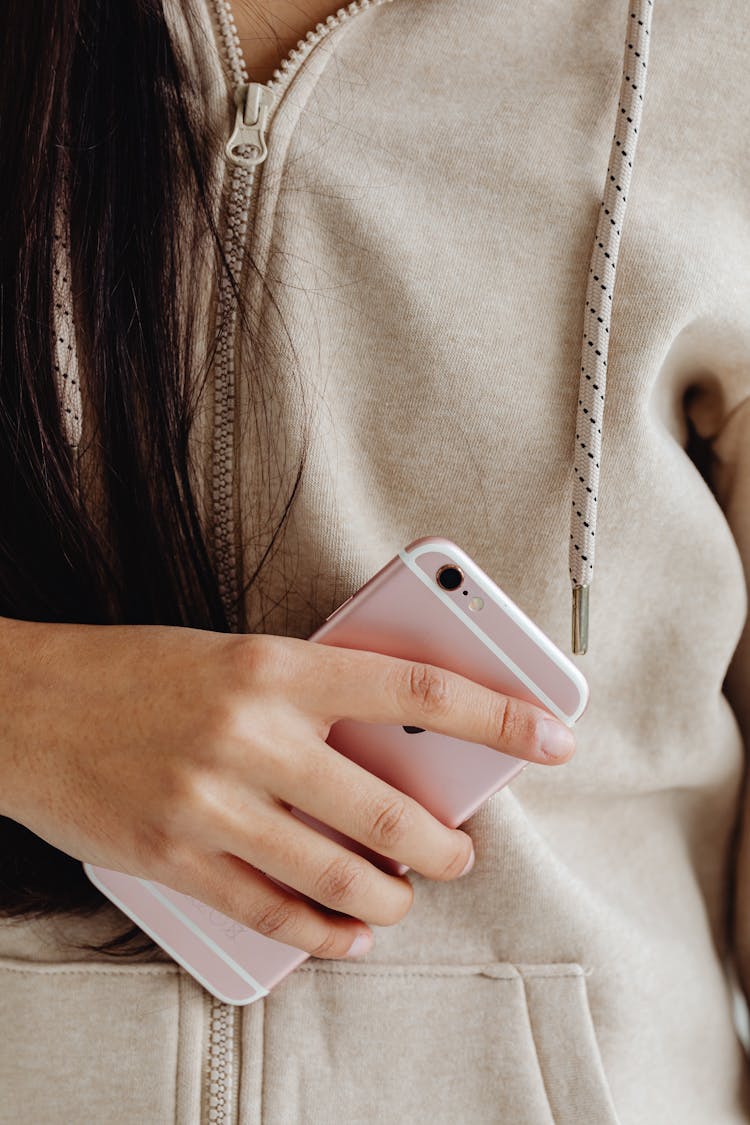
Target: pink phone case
{"points": [[401, 611]]}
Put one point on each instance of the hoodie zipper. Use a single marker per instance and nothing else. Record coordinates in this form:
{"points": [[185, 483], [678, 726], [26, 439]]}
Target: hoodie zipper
{"points": [[246, 149], [221, 1086]]}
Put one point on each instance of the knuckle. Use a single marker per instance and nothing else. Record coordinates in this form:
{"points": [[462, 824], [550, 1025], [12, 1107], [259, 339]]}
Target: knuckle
{"points": [[399, 906], [427, 685], [338, 881], [275, 918], [261, 659], [157, 850], [504, 720], [456, 865], [329, 946], [389, 822], [188, 797]]}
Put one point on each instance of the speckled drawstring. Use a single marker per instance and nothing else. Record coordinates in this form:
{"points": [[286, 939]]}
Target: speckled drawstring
{"points": [[66, 356], [598, 315]]}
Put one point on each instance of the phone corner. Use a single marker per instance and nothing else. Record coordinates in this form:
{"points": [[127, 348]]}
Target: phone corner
{"points": [[425, 542], [237, 1000], [584, 695], [90, 872]]}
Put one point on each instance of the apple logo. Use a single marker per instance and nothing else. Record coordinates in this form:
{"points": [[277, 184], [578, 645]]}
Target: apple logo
{"points": [[414, 730]]}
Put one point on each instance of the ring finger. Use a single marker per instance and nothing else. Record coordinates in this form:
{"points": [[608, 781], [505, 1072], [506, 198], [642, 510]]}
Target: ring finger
{"points": [[301, 857]]}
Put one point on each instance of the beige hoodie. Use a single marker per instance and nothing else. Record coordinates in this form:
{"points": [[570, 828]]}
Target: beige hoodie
{"points": [[424, 221]]}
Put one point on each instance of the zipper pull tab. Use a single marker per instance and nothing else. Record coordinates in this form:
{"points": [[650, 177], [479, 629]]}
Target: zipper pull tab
{"points": [[253, 101]]}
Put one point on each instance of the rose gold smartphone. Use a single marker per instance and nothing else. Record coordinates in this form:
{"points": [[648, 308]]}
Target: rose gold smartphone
{"points": [[430, 603]]}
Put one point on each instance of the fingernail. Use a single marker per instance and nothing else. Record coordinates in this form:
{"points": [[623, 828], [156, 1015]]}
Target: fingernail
{"points": [[470, 864], [361, 944], [557, 739]]}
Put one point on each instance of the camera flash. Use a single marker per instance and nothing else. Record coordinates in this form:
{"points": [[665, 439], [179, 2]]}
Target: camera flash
{"points": [[476, 603]]}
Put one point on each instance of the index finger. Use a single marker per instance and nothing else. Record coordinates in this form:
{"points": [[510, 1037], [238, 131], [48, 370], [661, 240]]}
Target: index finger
{"points": [[347, 683]]}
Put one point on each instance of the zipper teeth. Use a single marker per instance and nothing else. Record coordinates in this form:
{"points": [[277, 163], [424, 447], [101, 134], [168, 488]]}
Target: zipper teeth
{"points": [[238, 207], [291, 63], [289, 66], [220, 1094], [241, 189], [240, 192], [231, 40]]}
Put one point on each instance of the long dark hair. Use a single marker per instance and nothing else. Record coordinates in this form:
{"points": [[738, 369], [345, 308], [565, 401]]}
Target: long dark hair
{"points": [[99, 92]]}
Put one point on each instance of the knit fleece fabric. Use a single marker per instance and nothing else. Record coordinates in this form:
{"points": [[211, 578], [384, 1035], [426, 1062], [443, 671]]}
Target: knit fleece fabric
{"points": [[424, 223]]}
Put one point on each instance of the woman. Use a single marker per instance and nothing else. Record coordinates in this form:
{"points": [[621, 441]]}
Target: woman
{"points": [[260, 384]]}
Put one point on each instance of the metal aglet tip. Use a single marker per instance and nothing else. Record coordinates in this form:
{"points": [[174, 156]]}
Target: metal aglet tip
{"points": [[580, 639]]}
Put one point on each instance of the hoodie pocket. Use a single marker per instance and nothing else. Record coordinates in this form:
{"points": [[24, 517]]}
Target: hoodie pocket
{"points": [[432, 1045], [94, 1042]]}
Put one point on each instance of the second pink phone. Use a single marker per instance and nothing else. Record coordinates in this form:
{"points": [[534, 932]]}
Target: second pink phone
{"points": [[431, 603]]}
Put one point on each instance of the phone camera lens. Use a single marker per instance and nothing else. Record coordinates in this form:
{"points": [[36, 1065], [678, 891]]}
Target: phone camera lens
{"points": [[449, 577]]}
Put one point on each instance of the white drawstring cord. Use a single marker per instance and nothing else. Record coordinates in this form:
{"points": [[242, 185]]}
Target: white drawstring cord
{"points": [[598, 315], [66, 356]]}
